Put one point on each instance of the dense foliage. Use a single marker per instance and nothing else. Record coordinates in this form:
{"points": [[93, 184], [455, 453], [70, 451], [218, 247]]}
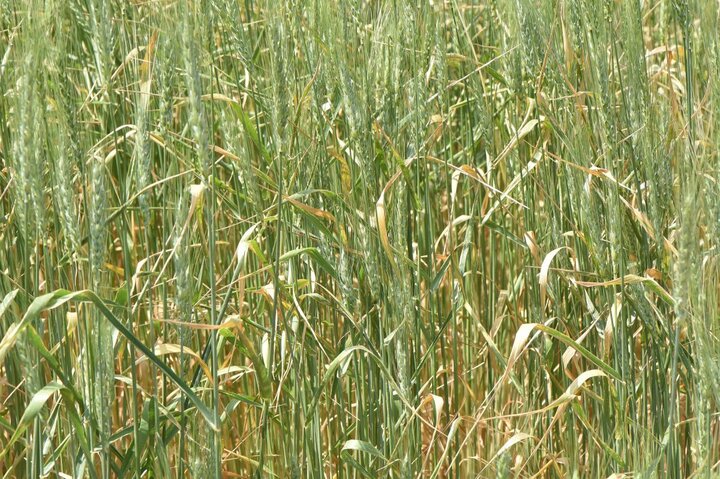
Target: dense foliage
{"points": [[359, 238]]}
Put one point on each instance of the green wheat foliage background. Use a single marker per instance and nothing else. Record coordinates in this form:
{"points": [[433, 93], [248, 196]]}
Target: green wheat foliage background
{"points": [[344, 239]]}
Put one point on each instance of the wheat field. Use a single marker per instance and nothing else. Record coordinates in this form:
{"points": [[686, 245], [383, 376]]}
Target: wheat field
{"points": [[359, 238]]}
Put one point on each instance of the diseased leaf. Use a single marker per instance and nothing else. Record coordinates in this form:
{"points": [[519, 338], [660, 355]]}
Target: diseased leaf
{"points": [[363, 446]]}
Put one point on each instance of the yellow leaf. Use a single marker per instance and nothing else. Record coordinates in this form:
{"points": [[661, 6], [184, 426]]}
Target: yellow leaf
{"points": [[163, 349]]}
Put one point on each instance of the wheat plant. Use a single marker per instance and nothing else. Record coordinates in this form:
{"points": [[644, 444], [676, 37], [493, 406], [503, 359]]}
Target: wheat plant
{"points": [[359, 238]]}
